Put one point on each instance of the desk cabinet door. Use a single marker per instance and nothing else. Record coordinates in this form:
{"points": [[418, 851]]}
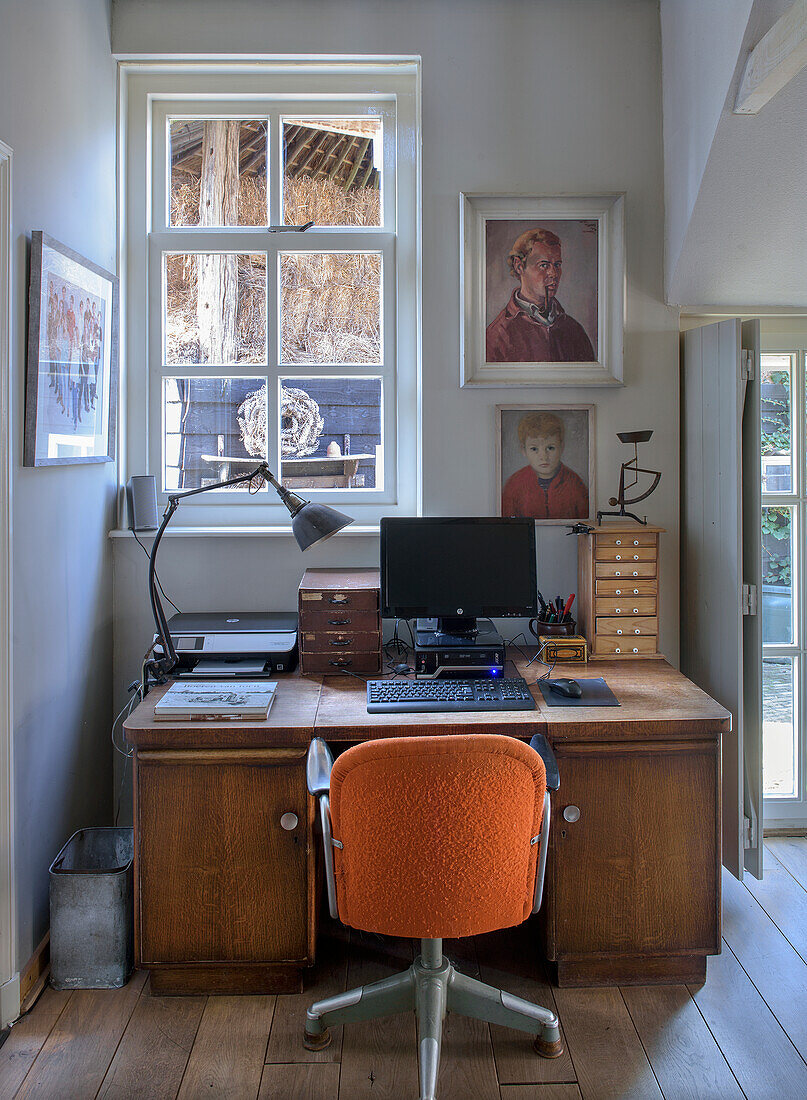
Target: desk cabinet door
{"points": [[634, 864], [223, 875]]}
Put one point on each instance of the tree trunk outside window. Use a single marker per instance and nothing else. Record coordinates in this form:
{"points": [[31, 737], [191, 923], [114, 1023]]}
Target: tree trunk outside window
{"points": [[217, 307]]}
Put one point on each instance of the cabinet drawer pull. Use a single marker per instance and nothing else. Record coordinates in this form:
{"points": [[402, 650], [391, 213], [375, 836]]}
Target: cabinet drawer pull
{"points": [[618, 650], [636, 611], [619, 592], [338, 599], [619, 631], [619, 542], [288, 822], [338, 622], [635, 557], [637, 631], [635, 650], [618, 574], [341, 662], [618, 610], [619, 557], [635, 573], [340, 641], [635, 542], [571, 813]]}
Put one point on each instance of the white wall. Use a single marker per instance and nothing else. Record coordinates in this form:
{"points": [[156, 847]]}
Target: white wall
{"points": [[534, 97], [57, 111], [700, 48]]}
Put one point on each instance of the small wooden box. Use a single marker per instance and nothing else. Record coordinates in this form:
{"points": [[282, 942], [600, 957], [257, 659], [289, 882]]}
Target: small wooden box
{"points": [[571, 650], [340, 621]]}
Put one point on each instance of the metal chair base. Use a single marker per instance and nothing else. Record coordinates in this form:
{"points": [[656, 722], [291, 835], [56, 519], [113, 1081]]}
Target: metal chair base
{"points": [[431, 987]]}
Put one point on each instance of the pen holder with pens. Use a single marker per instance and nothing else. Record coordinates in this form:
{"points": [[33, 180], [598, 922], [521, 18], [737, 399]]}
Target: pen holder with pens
{"points": [[565, 629]]}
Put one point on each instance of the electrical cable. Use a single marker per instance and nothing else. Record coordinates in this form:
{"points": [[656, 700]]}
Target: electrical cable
{"points": [[157, 579]]}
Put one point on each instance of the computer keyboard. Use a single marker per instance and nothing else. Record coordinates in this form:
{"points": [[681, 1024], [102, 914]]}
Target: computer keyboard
{"points": [[405, 696]]}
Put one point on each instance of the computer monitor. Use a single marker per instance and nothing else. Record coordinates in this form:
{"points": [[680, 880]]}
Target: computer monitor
{"points": [[456, 570]]}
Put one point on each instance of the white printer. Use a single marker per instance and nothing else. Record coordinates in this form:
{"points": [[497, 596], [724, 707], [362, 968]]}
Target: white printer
{"points": [[229, 645]]}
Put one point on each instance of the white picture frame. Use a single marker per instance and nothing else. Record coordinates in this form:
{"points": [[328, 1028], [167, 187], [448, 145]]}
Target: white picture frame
{"points": [[593, 278]]}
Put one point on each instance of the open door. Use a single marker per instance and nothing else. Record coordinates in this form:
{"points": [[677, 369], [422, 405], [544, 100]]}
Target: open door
{"points": [[721, 639]]}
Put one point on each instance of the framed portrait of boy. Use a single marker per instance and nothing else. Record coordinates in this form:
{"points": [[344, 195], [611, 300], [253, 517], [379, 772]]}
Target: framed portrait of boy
{"points": [[542, 289], [545, 462], [72, 370]]}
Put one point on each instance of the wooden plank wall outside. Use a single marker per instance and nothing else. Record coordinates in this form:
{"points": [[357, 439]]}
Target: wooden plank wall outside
{"points": [[742, 1034]]}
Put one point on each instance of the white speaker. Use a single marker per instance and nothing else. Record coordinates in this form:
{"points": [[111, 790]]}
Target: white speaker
{"points": [[141, 496]]}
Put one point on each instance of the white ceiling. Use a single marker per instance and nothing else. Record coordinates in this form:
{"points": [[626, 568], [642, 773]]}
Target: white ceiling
{"points": [[746, 242]]}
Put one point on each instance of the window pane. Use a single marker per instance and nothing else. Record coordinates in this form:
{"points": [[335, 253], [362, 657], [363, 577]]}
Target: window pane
{"points": [[332, 171], [218, 172], [776, 426], [208, 433], [779, 741], [330, 433], [777, 573], [330, 307], [215, 308]]}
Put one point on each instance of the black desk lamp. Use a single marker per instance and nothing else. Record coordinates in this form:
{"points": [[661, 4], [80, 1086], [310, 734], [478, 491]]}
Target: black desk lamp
{"points": [[310, 524]]}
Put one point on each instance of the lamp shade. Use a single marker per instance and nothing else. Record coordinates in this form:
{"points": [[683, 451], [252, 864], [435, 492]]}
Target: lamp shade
{"points": [[315, 522]]}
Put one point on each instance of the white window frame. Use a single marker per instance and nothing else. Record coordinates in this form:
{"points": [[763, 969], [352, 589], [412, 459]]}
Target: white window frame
{"points": [[149, 91], [783, 811]]}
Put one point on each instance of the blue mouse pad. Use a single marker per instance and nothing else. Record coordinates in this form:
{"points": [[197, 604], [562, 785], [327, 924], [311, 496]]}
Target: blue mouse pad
{"points": [[596, 693]]}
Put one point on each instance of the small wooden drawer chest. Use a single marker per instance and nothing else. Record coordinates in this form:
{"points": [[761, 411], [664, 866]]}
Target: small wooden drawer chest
{"points": [[618, 590], [340, 621]]}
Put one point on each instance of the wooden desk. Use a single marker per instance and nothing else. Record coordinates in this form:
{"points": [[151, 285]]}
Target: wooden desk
{"points": [[225, 896]]}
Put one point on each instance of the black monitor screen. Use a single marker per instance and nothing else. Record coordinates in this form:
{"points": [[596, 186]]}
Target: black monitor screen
{"points": [[457, 567]]}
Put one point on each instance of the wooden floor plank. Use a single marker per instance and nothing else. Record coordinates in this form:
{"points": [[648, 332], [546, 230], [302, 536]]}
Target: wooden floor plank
{"points": [[540, 1092], [315, 1082], [227, 1056], [327, 978], [82, 1043], [379, 1057], [758, 1052], [776, 969], [791, 851], [783, 899], [467, 1068], [27, 1038], [607, 1054], [510, 960], [154, 1051], [684, 1057]]}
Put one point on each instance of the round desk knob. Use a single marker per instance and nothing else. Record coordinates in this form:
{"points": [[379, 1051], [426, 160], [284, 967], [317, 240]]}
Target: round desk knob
{"points": [[619, 591], [635, 542], [619, 557], [636, 572], [636, 591], [618, 610], [571, 813], [619, 542], [635, 650], [617, 650], [619, 631], [636, 611], [288, 822], [637, 631], [635, 557], [617, 573]]}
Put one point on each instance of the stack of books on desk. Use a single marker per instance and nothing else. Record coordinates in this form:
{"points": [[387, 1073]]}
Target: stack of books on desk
{"points": [[214, 699]]}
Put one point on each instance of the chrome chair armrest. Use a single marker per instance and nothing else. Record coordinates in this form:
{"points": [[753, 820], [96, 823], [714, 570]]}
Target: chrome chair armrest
{"points": [[543, 850], [318, 767], [318, 779]]}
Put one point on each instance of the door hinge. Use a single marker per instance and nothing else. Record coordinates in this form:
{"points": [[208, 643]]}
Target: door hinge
{"points": [[749, 833], [749, 599], [747, 366]]}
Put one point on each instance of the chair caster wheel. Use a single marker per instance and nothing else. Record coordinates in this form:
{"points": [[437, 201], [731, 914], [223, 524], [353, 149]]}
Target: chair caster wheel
{"points": [[317, 1042], [548, 1050]]}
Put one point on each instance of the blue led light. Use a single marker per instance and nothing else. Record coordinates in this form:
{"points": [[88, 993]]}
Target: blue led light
{"points": [[494, 672]]}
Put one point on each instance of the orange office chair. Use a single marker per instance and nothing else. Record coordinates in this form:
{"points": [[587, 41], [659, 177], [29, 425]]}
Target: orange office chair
{"points": [[428, 837]]}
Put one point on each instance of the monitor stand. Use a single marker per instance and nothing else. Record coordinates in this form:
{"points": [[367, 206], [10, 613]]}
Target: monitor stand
{"points": [[454, 632]]}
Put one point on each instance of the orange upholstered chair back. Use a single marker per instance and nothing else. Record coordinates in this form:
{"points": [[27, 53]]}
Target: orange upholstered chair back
{"points": [[435, 834]]}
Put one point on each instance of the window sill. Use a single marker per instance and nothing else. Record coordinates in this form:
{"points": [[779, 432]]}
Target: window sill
{"points": [[240, 532]]}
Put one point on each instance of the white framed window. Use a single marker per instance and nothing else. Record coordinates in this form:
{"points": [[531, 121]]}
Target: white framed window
{"points": [[783, 415], [247, 336]]}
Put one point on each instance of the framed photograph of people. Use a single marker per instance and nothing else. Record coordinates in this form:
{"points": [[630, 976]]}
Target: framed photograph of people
{"points": [[542, 290], [72, 371], [545, 462]]}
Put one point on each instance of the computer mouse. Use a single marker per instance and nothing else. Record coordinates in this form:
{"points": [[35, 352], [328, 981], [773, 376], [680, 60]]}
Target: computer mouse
{"points": [[570, 688], [402, 669]]}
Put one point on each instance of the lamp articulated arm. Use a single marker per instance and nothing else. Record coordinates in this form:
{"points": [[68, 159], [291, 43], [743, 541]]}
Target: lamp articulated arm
{"points": [[311, 523]]}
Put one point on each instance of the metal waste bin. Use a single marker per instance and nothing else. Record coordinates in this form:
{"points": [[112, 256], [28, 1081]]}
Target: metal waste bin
{"points": [[91, 910]]}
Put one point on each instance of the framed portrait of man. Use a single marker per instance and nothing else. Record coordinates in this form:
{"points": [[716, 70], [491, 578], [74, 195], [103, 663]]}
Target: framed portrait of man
{"points": [[545, 462], [542, 290]]}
